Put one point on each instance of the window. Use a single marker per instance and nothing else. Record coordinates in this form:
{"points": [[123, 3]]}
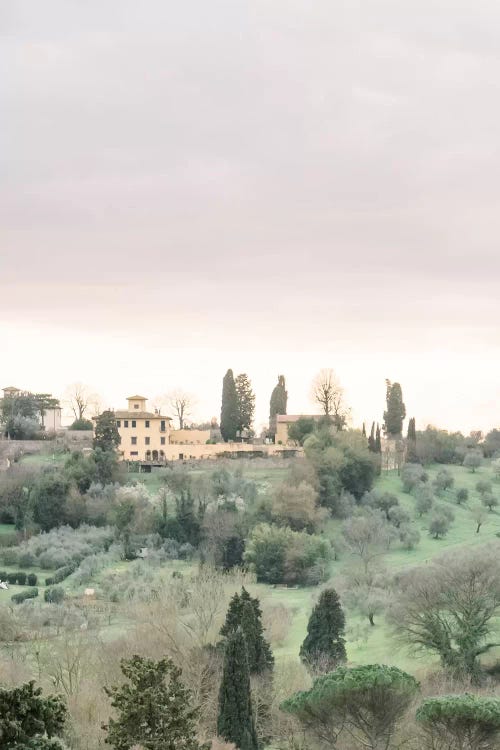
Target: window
{"points": [[134, 453], [118, 423], [134, 441], [147, 422], [162, 425], [136, 406], [148, 441], [125, 422], [134, 423], [162, 441]]}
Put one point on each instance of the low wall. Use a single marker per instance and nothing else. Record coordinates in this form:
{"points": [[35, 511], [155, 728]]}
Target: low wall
{"points": [[226, 450]]}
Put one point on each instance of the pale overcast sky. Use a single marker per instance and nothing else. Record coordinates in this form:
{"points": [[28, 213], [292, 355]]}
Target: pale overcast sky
{"points": [[274, 186]]}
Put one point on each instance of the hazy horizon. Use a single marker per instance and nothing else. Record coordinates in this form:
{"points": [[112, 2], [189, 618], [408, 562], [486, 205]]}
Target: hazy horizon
{"points": [[271, 187]]}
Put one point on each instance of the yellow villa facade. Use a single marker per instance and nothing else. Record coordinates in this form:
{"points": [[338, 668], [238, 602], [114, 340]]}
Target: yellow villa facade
{"points": [[144, 434]]}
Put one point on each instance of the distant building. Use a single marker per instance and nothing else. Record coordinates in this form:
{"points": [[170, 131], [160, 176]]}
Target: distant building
{"points": [[144, 434]]}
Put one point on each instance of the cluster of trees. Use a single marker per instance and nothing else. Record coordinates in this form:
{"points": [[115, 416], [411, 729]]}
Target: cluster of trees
{"points": [[22, 414], [238, 406]]}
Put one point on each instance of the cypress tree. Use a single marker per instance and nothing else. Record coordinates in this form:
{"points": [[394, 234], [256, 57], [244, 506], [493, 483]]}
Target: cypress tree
{"points": [[363, 431], [235, 721], [277, 404], [245, 612], [325, 642], [396, 410], [229, 409], [411, 443], [378, 441], [371, 439]]}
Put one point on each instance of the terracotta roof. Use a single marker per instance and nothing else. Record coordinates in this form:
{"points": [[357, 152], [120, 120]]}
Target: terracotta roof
{"points": [[136, 398], [11, 388]]}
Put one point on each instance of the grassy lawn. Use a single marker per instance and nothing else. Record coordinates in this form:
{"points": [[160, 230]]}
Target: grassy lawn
{"points": [[7, 528], [48, 458]]}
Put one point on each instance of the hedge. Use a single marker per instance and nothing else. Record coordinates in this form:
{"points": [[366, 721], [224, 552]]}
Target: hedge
{"points": [[60, 574], [23, 595]]}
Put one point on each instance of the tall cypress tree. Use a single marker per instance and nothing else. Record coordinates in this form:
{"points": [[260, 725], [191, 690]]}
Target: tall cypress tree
{"points": [[245, 612], [277, 404], [378, 440], [235, 721], [371, 439], [229, 409], [396, 410], [411, 443], [363, 431], [325, 642]]}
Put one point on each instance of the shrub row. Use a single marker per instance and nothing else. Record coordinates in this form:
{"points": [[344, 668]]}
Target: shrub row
{"points": [[60, 574], [23, 595], [20, 578]]}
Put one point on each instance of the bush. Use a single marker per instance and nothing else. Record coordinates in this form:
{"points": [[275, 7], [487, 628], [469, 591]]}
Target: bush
{"points": [[23, 595], [280, 555], [32, 579], [49, 581], [82, 424], [12, 578], [54, 595], [462, 495], [3, 575], [21, 578]]}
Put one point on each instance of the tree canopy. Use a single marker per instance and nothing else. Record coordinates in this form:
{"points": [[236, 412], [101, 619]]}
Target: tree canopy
{"points": [[396, 410], [153, 709], [366, 702]]}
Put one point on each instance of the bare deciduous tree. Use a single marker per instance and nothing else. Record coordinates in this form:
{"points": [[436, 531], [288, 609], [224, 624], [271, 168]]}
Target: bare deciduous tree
{"points": [[329, 394], [82, 401], [181, 404]]}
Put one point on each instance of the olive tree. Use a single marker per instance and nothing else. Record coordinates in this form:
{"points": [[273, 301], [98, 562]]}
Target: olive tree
{"points": [[449, 607]]}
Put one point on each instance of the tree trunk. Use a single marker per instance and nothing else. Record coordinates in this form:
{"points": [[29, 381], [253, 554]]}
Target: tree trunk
{"points": [[370, 617]]}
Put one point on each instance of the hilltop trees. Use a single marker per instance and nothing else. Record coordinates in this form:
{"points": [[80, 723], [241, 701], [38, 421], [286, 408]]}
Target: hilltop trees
{"points": [[324, 645], [328, 393], [235, 720], [229, 411], [27, 720], [182, 404], [411, 443], [245, 401], [153, 709], [277, 404], [396, 410], [238, 405]]}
